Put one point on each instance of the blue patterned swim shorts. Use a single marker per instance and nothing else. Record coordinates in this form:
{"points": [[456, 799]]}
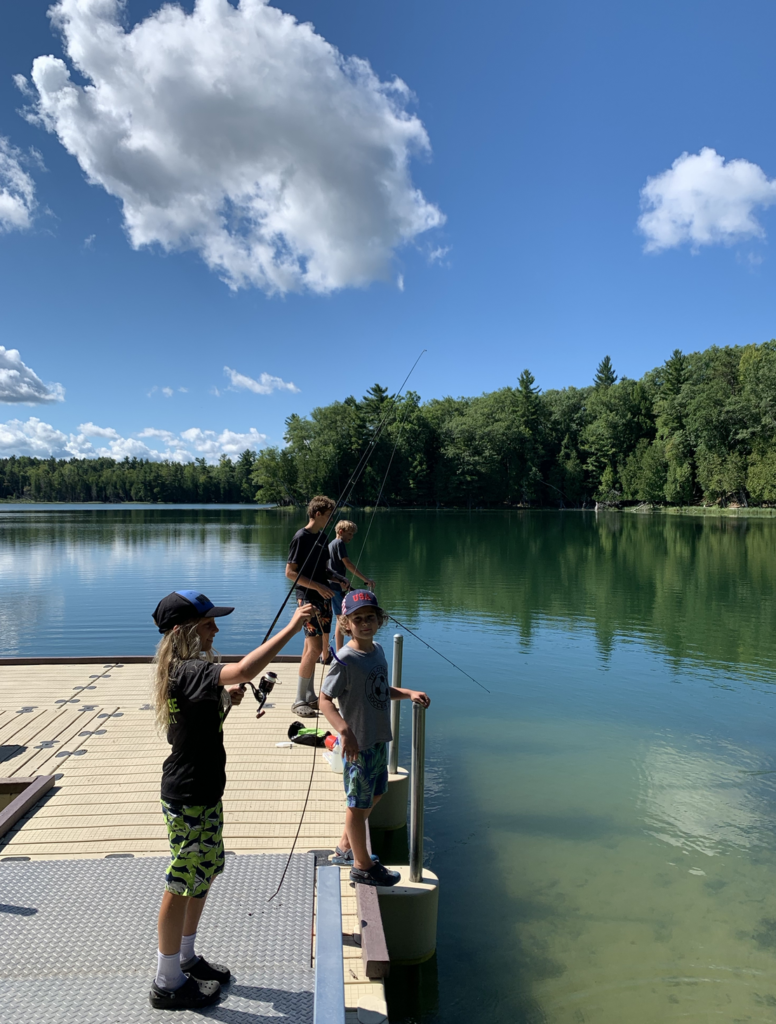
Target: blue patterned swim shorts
{"points": [[367, 776]]}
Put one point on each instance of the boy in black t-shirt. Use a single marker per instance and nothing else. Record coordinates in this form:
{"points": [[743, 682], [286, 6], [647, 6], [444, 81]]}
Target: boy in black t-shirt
{"points": [[308, 567], [192, 696]]}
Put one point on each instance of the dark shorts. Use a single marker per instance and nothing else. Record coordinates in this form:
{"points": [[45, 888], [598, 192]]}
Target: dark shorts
{"points": [[320, 623], [196, 847], [366, 777]]}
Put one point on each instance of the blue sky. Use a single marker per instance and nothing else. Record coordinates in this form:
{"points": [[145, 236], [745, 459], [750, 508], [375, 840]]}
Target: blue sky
{"points": [[489, 214]]}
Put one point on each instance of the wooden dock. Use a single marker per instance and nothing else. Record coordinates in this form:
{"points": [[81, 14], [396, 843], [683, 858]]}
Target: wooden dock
{"points": [[91, 726]]}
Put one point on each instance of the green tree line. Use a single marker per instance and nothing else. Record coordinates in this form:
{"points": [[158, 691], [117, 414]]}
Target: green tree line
{"points": [[102, 479], [701, 428]]}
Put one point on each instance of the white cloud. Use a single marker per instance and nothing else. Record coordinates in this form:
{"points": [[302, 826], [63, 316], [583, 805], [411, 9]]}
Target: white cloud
{"points": [[17, 190], [92, 430], [40, 439], [20, 384], [703, 200], [207, 442], [265, 385], [168, 392], [241, 134], [22, 85], [438, 254]]}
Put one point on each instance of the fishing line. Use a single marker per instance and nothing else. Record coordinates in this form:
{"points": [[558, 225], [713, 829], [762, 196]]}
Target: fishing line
{"points": [[307, 795], [363, 461], [390, 463], [426, 644], [345, 494]]}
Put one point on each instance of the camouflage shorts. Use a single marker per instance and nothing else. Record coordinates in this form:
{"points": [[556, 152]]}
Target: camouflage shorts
{"points": [[196, 847]]}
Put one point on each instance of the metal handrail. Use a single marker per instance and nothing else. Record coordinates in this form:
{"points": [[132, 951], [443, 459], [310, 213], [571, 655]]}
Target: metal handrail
{"points": [[329, 1006], [393, 747], [417, 792]]}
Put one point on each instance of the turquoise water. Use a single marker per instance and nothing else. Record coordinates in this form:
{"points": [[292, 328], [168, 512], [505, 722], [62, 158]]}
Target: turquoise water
{"points": [[603, 820]]}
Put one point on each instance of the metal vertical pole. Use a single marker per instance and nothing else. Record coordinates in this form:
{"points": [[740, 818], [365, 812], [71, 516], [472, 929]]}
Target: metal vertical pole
{"points": [[393, 749], [416, 796]]}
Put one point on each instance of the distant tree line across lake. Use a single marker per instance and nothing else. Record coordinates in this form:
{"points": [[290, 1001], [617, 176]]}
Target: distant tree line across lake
{"points": [[701, 428]]}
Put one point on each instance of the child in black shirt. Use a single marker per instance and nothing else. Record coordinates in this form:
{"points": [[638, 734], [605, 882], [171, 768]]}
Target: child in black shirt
{"points": [[192, 696], [308, 567]]}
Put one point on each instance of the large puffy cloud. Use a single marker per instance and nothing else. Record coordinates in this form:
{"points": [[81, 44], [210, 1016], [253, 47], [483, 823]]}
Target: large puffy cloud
{"points": [[241, 134], [702, 200], [265, 385], [20, 384], [36, 438], [17, 190]]}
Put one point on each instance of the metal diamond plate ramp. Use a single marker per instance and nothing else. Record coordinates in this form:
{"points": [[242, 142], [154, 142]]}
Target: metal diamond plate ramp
{"points": [[78, 940]]}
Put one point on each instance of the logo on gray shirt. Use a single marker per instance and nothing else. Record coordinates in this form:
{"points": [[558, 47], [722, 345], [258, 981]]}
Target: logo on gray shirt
{"points": [[376, 688]]}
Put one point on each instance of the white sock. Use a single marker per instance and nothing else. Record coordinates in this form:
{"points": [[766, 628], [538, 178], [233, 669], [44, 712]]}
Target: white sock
{"points": [[168, 971], [187, 947], [304, 690]]}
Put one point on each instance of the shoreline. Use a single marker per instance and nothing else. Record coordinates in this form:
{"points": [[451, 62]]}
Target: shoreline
{"points": [[754, 512]]}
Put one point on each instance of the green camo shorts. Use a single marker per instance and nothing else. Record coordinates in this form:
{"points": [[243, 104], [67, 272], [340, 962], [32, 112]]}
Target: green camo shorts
{"points": [[196, 847], [367, 776]]}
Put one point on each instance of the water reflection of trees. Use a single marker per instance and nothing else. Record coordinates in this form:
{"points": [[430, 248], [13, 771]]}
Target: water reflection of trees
{"points": [[691, 587], [700, 588]]}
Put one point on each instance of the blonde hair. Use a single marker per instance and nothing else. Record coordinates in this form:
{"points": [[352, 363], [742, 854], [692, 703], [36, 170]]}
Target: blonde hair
{"points": [[344, 621], [182, 643], [345, 525]]}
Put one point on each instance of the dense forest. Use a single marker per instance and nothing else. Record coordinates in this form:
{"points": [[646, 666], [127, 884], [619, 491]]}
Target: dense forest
{"points": [[129, 480], [701, 428]]}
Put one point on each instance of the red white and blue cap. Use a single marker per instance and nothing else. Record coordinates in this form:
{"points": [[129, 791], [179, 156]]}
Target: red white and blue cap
{"points": [[358, 599], [184, 606]]}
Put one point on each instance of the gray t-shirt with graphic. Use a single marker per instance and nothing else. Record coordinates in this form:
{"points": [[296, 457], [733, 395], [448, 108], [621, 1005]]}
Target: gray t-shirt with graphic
{"points": [[359, 682]]}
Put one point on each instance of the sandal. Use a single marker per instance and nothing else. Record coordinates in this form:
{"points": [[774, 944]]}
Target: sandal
{"points": [[192, 995], [378, 874], [346, 859], [199, 969], [304, 710]]}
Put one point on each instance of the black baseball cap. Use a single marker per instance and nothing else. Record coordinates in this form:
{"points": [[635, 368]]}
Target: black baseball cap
{"points": [[184, 606]]}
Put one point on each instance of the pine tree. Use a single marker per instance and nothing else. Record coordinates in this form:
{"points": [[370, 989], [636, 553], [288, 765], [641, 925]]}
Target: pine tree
{"points": [[604, 375]]}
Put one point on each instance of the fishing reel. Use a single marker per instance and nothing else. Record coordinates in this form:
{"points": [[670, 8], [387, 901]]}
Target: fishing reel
{"points": [[263, 690]]}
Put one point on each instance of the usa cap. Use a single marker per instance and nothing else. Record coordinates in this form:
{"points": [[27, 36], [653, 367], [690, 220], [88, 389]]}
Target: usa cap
{"points": [[184, 606], [358, 599]]}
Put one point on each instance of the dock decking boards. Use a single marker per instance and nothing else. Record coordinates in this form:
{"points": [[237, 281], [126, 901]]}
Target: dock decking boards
{"points": [[92, 726]]}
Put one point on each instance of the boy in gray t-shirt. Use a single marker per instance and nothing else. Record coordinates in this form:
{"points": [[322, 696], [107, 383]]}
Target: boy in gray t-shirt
{"points": [[359, 680]]}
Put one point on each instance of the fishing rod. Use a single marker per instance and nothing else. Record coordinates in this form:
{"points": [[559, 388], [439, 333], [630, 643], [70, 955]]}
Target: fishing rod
{"points": [[354, 477], [345, 494]]}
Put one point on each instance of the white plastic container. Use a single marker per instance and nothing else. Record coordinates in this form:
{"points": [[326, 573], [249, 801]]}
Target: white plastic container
{"points": [[334, 757]]}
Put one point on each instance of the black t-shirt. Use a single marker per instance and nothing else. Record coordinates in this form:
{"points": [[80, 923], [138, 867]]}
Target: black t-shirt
{"points": [[310, 553], [338, 551], [195, 771]]}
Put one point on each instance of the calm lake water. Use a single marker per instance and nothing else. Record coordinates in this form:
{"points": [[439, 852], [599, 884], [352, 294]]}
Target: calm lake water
{"points": [[603, 821]]}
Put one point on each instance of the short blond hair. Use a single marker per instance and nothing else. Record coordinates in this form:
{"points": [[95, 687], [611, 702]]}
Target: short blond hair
{"points": [[345, 526]]}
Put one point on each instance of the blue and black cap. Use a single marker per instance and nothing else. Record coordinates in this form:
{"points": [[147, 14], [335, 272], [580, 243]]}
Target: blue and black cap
{"points": [[358, 599], [184, 606]]}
